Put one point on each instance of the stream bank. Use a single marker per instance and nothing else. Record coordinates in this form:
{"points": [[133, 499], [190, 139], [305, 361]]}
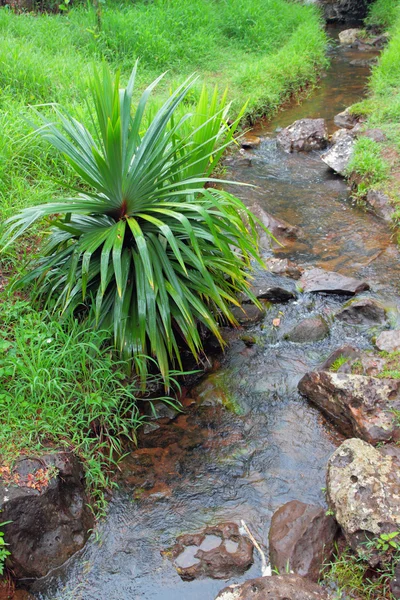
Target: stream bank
{"points": [[211, 465]]}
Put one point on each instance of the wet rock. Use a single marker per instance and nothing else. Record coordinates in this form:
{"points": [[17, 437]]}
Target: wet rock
{"points": [[278, 587], [369, 43], [380, 204], [376, 135], [346, 351], [348, 36], [304, 135], [339, 133], [358, 405], [330, 282], [345, 119], [339, 154], [309, 330], [281, 230], [271, 287], [284, 267], [363, 492], [389, 341], [161, 410], [344, 10], [395, 583], [301, 539], [248, 314], [363, 62], [220, 552], [362, 312], [45, 500], [250, 141]]}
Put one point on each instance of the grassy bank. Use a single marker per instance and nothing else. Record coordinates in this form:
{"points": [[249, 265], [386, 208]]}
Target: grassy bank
{"points": [[377, 165], [264, 51]]}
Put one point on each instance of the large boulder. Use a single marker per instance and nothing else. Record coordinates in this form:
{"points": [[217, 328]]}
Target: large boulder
{"points": [[312, 329], [330, 282], [338, 156], [359, 406], [343, 10], [365, 311], [301, 539], [389, 341], [304, 135], [219, 552], [45, 500], [363, 492], [278, 587]]}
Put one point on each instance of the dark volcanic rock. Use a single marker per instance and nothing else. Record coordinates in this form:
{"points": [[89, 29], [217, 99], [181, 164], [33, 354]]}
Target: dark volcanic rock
{"points": [[271, 287], [301, 539], [344, 10], [389, 341], [312, 329], [278, 587], [363, 492], [219, 552], [346, 351], [362, 312], [304, 135], [380, 204], [329, 282], [45, 500], [360, 406]]}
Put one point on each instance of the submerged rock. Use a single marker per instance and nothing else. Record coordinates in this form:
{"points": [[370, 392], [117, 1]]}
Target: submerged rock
{"points": [[271, 287], [304, 135], [281, 230], [358, 405], [312, 329], [301, 539], [248, 314], [278, 587], [45, 500], [219, 552], [330, 282], [339, 154], [284, 266], [349, 36], [250, 141], [389, 341], [380, 204], [362, 312], [363, 492]]}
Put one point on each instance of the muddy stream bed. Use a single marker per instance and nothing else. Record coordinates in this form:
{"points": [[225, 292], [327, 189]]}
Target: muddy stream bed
{"points": [[214, 464]]}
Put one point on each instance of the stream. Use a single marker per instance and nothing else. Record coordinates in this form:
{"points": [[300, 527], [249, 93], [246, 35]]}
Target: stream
{"points": [[209, 464]]}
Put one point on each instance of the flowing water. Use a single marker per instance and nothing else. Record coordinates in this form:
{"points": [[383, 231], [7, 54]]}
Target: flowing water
{"points": [[210, 464]]}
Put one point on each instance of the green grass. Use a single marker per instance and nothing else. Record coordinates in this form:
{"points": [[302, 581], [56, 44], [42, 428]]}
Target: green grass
{"points": [[62, 388], [351, 577], [264, 51], [339, 362], [378, 165]]}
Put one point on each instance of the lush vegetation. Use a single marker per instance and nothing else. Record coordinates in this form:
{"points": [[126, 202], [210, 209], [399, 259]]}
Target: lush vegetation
{"points": [[264, 51], [352, 577], [378, 165]]}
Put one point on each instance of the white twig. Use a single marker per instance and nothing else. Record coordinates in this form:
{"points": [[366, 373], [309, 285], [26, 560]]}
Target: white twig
{"points": [[265, 568]]}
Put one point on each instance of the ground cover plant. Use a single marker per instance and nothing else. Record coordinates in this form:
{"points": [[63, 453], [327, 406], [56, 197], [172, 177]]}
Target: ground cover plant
{"points": [[377, 166]]}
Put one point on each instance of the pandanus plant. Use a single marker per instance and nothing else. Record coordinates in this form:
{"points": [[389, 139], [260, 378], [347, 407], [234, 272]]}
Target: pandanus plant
{"points": [[148, 249]]}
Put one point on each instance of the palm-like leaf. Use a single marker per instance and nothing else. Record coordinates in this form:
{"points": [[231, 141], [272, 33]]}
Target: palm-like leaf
{"points": [[148, 248]]}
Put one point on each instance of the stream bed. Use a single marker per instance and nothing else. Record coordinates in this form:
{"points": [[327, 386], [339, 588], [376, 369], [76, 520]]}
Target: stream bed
{"points": [[209, 464]]}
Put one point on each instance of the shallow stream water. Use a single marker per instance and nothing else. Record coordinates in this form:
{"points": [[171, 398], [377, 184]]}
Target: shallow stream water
{"points": [[211, 465]]}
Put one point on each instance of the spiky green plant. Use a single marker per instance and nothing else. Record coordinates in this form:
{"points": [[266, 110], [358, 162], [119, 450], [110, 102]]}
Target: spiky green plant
{"points": [[149, 249]]}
